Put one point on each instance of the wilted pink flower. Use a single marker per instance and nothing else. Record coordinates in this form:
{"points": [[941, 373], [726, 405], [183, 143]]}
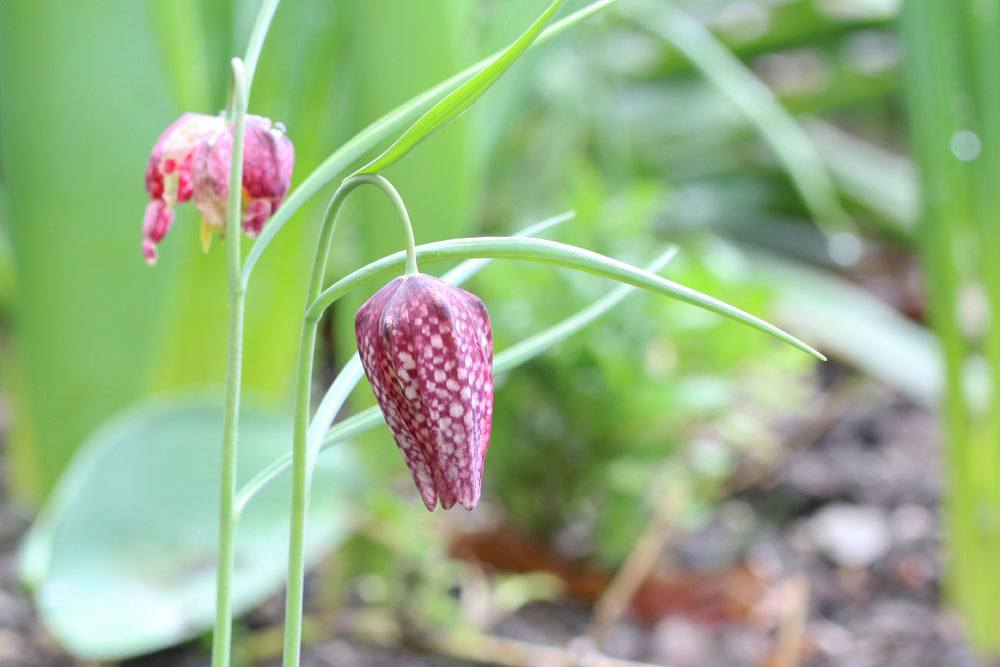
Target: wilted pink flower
{"points": [[268, 157], [427, 349], [191, 158]]}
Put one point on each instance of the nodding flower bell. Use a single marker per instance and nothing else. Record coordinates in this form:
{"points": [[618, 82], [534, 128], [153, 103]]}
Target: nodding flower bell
{"points": [[192, 158], [268, 157], [427, 349]]}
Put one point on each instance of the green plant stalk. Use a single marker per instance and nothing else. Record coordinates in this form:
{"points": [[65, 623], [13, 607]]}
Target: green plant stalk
{"points": [[303, 385], [980, 37], [242, 73], [222, 635], [933, 66], [391, 123], [440, 113]]}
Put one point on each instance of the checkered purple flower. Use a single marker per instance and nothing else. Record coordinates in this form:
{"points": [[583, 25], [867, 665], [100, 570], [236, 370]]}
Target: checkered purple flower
{"points": [[427, 349]]}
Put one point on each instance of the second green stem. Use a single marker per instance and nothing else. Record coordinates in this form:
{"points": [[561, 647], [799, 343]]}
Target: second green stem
{"points": [[303, 386], [222, 635]]}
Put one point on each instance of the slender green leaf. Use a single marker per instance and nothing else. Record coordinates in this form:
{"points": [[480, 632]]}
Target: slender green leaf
{"points": [[951, 69], [471, 267], [383, 128], [460, 99], [510, 358], [557, 254], [881, 181], [980, 35], [856, 327], [935, 71], [6, 262], [442, 181], [529, 348]]}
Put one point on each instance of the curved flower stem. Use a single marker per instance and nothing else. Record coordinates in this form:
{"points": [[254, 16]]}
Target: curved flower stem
{"points": [[303, 385], [222, 636]]}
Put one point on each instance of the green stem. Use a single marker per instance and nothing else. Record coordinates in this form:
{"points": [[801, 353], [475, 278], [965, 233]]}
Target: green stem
{"points": [[303, 384], [300, 494], [404, 216], [222, 637], [934, 70]]}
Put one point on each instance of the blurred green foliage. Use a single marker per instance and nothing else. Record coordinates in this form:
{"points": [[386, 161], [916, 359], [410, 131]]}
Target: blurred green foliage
{"points": [[85, 316], [586, 430]]}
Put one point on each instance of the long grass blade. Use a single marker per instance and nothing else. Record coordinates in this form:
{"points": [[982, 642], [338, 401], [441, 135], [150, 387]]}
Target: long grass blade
{"points": [[460, 99], [788, 140], [933, 66], [557, 254], [386, 126]]}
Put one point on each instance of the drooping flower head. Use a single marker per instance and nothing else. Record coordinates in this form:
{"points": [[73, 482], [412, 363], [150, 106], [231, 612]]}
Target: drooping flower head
{"points": [[268, 157], [427, 349], [192, 158]]}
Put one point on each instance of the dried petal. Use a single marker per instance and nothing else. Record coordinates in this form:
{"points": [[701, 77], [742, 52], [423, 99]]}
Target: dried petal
{"points": [[168, 173], [155, 225], [427, 349]]}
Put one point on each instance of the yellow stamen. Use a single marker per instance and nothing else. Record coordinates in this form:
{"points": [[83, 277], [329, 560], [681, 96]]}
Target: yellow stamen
{"points": [[206, 235]]}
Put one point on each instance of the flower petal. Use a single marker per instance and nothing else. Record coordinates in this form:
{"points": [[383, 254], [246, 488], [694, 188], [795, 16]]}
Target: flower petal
{"points": [[427, 349]]}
